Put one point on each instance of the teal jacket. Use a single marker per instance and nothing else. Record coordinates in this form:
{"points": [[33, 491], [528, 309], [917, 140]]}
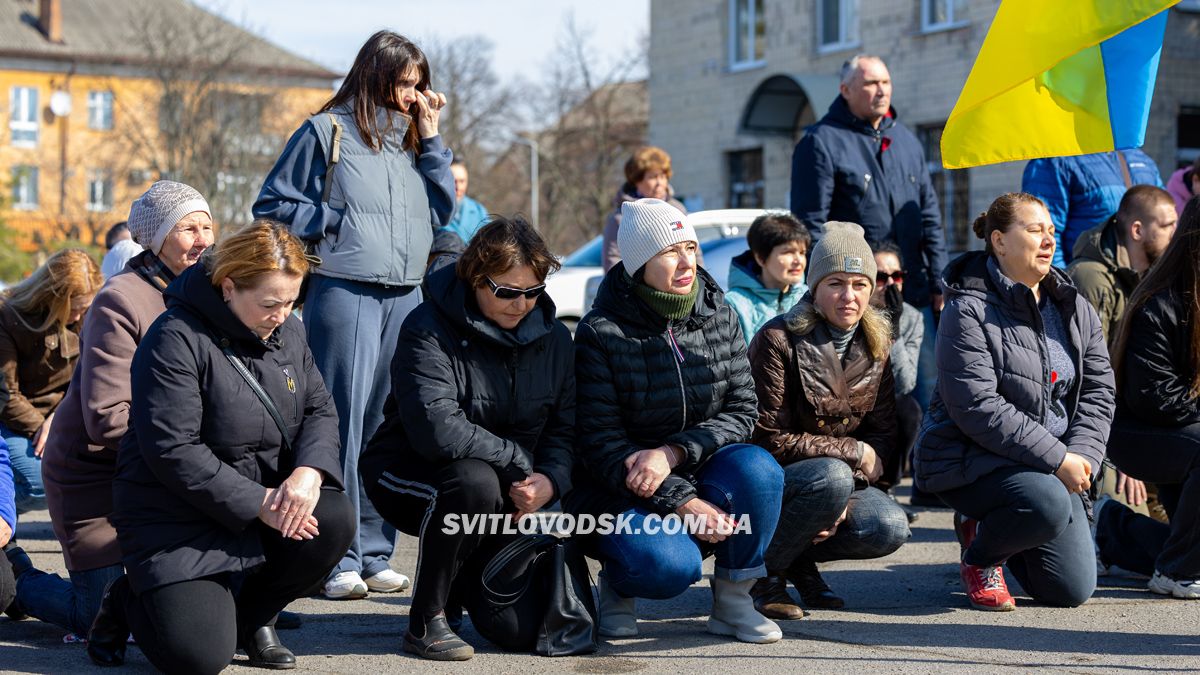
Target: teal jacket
{"points": [[468, 217], [751, 301]]}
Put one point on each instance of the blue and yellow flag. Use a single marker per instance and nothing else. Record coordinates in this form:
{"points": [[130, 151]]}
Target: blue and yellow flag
{"points": [[1058, 77]]}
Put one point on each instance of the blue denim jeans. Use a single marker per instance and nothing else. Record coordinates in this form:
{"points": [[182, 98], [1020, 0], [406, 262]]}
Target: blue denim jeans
{"points": [[739, 479], [69, 604], [1029, 521], [352, 329], [27, 471], [815, 491], [927, 362]]}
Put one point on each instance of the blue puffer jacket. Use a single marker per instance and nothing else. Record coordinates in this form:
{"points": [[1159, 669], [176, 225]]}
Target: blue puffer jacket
{"points": [[8, 496], [753, 303], [990, 407], [845, 169], [383, 205], [1084, 191], [469, 216]]}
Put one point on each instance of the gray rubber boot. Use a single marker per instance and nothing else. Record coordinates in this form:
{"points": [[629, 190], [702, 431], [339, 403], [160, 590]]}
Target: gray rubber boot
{"points": [[618, 615], [733, 614]]}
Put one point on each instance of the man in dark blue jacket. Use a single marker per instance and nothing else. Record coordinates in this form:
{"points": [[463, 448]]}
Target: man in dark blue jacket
{"points": [[859, 164]]}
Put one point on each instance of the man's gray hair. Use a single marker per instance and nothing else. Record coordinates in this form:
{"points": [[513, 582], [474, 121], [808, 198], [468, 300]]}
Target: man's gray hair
{"points": [[851, 66]]}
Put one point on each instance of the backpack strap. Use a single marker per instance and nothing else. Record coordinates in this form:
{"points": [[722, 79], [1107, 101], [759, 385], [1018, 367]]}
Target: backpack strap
{"points": [[335, 156]]}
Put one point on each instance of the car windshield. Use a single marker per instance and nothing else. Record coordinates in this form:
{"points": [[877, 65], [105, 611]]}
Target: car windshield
{"points": [[587, 255]]}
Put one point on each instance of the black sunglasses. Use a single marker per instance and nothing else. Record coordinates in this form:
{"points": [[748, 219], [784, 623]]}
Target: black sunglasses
{"points": [[882, 277], [509, 293]]}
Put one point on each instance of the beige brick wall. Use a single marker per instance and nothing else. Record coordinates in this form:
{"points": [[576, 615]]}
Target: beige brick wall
{"points": [[696, 102]]}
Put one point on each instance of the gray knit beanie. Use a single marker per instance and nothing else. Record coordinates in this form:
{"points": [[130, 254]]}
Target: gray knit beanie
{"points": [[155, 213], [647, 227], [842, 248]]}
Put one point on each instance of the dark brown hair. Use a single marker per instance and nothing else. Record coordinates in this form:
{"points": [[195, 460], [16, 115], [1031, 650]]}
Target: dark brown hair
{"points": [[1175, 271], [1001, 215], [1138, 204], [384, 58], [775, 229], [501, 245], [645, 159]]}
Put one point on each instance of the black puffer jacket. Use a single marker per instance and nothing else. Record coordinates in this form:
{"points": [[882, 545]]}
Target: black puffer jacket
{"points": [[1156, 369], [462, 387], [201, 449], [994, 380], [637, 392]]}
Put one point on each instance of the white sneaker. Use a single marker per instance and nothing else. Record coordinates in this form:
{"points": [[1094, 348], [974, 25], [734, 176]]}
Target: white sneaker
{"points": [[345, 586], [388, 581], [1185, 589]]}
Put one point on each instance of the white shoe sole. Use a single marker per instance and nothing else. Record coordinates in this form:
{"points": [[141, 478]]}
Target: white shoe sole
{"points": [[355, 592], [719, 627], [1172, 589], [377, 587]]}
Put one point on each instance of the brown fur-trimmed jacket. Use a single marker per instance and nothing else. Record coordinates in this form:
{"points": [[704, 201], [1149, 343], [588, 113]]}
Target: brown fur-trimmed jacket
{"points": [[812, 404]]}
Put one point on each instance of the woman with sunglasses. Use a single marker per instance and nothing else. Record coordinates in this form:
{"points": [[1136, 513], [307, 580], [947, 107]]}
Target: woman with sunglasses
{"points": [[480, 419]]}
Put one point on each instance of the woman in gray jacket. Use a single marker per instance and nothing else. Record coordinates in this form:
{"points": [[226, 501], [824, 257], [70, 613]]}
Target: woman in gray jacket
{"points": [[1018, 423]]}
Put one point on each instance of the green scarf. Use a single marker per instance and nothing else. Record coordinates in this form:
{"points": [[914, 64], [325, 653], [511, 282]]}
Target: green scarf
{"points": [[668, 305]]}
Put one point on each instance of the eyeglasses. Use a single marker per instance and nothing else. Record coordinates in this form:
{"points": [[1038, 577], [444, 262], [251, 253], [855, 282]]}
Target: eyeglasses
{"points": [[509, 293], [896, 277]]}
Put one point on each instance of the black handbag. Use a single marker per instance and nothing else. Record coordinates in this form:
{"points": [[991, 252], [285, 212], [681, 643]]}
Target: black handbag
{"points": [[536, 595]]}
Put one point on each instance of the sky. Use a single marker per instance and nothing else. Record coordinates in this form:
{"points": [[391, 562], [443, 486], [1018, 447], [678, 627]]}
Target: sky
{"points": [[524, 32]]}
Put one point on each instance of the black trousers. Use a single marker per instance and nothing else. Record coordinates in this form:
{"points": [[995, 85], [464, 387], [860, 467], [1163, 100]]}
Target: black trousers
{"points": [[414, 496], [8, 584], [193, 626]]}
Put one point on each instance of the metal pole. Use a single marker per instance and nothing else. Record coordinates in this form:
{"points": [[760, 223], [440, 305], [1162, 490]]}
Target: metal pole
{"points": [[533, 177]]}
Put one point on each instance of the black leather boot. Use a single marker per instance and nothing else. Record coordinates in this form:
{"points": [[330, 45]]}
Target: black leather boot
{"points": [[813, 590], [265, 650], [437, 642], [110, 630]]}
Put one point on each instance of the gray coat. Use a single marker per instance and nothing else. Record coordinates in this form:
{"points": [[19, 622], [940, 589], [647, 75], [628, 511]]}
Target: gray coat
{"points": [[989, 409]]}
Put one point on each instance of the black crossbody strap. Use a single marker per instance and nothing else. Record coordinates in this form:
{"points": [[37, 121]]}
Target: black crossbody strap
{"points": [[261, 393]]}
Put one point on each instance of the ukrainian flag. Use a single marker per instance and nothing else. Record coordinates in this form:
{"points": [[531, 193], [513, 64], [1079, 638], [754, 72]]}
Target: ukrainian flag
{"points": [[1058, 77]]}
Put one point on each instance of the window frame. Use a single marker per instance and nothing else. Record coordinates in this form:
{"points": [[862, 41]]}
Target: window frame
{"points": [[100, 102], [736, 62], [25, 180], [104, 179], [17, 123], [953, 23], [849, 36], [749, 185]]}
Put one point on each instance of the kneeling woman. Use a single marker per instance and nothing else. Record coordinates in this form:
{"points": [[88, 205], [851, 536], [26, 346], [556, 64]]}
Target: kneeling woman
{"points": [[827, 411], [226, 509], [665, 405], [480, 419], [1023, 405]]}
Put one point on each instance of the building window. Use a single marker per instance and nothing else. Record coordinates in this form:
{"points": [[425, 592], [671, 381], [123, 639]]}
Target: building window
{"points": [[22, 121], [1187, 135], [25, 187], [747, 34], [746, 179], [952, 188], [100, 110], [938, 15], [100, 190], [837, 25]]}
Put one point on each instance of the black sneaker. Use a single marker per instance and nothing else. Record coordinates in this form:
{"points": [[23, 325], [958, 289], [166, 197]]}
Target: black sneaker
{"points": [[110, 630], [813, 590], [439, 643], [16, 557]]}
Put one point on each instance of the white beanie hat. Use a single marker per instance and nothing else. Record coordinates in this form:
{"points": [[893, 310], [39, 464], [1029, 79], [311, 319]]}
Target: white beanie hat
{"points": [[155, 213], [647, 227]]}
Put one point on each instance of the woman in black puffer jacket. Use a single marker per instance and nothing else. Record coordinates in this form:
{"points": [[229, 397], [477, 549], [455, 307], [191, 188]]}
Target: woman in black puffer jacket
{"points": [[480, 419], [1156, 435], [1022, 409], [666, 404]]}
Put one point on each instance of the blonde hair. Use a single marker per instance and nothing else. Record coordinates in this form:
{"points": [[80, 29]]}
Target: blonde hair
{"points": [[258, 249], [66, 274]]}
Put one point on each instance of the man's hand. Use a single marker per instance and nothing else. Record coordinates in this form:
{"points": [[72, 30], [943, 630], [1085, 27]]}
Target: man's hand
{"points": [[647, 469], [1133, 489], [531, 494], [831, 530], [871, 465], [718, 525], [43, 433]]}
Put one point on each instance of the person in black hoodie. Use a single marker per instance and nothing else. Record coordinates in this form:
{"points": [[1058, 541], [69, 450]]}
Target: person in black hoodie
{"points": [[1156, 433], [221, 518], [480, 419], [666, 404]]}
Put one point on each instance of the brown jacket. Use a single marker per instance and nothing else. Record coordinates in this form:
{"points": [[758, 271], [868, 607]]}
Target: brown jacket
{"points": [[810, 403], [80, 456], [36, 366]]}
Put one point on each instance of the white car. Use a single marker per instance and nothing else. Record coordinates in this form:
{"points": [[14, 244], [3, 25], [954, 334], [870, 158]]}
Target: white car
{"points": [[566, 286]]}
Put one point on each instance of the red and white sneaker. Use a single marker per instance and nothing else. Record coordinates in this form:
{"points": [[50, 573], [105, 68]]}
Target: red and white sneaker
{"points": [[986, 589]]}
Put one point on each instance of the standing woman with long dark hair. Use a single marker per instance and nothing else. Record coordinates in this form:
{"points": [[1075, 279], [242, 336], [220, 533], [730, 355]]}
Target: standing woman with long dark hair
{"points": [[1156, 433], [365, 182]]}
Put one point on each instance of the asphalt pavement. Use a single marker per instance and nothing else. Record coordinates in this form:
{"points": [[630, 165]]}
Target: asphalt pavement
{"points": [[904, 613]]}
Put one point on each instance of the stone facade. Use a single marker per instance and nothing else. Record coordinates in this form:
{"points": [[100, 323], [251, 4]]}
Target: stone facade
{"points": [[698, 99]]}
